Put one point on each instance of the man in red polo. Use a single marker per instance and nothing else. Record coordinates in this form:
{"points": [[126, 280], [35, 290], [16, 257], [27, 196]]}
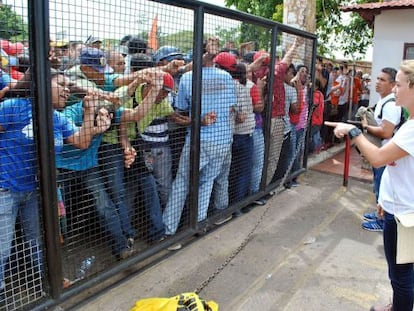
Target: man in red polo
{"points": [[260, 68]]}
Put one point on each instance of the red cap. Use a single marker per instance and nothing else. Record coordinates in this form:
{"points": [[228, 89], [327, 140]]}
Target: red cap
{"points": [[266, 61], [11, 48], [168, 82], [226, 61]]}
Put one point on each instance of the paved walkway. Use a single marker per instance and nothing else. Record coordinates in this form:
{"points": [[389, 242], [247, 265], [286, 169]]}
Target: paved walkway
{"points": [[308, 252], [332, 162]]}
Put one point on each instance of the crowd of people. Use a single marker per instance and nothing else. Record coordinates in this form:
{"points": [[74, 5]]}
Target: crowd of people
{"points": [[122, 120]]}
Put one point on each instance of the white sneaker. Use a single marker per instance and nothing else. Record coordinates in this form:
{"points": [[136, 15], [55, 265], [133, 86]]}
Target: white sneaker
{"points": [[224, 220], [259, 202], [174, 247]]}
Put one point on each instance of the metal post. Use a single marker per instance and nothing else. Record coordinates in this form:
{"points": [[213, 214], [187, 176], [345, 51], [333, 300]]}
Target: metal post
{"points": [[43, 122], [268, 107], [347, 160], [351, 92], [310, 108], [195, 114]]}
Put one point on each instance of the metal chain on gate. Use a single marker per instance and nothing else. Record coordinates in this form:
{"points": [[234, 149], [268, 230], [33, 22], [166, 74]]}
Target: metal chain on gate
{"points": [[246, 240]]}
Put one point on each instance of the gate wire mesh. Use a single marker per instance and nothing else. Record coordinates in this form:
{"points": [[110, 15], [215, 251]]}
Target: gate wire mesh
{"points": [[122, 89]]}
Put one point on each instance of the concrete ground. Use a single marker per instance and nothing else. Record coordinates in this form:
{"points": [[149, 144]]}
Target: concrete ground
{"points": [[303, 250]]}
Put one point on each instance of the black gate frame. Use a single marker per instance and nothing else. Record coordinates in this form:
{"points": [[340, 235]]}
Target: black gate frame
{"points": [[39, 50]]}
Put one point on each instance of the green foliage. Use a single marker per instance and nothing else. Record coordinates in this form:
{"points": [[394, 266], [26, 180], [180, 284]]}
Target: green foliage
{"points": [[278, 14], [182, 40], [228, 34], [352, 36], [270, 9], [349, 34], [12, 26], [264, 8], [259, 35]]}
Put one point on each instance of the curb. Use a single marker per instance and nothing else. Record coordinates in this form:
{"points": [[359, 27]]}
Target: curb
{"points": [[315, 159]]}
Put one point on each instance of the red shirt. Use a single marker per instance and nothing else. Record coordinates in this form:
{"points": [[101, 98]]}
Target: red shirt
{"points": [[318, 101], [278, 105], [255, 95], [356, 90]]}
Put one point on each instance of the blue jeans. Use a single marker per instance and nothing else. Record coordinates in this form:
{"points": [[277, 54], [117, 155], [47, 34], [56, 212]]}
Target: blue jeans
{"points": [[140, 179], [257, 160], [316, 140], [26, 206], [293, 143], [241, 167], [162, 171], [108, 215], [111, 162], [212, 156], [299, 148], [377, 175], [284, 160], [220, 194], [401, 275]]}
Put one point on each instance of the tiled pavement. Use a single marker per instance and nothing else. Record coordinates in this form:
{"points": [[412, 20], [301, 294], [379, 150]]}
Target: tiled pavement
{"points": [[333, 162]]}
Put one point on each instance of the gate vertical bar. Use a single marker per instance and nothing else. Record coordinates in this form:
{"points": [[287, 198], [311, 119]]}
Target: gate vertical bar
{"points": [[195, 113], [308, 137], [268, 107], [40, 75]]}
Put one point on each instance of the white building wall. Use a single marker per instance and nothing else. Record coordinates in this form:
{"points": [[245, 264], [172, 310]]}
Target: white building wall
{"points": [[392, 29]]}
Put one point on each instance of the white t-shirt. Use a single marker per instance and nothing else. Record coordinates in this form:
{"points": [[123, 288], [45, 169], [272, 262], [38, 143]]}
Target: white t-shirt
{"points": [[397, 182], [391, 112], [344, 81]]}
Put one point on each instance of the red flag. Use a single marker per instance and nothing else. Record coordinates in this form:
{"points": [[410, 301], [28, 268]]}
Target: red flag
{"points": [[152, 37]]}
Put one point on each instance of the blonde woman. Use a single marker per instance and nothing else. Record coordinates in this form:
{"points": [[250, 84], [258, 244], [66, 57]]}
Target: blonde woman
{"points": [[395, 196]]}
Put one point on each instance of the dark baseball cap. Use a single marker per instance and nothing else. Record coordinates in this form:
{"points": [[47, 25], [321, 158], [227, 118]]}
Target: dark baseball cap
{"points": [[96, 59]]}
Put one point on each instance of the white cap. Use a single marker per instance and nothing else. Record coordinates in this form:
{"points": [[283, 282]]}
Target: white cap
{"points": [[366, 76]]}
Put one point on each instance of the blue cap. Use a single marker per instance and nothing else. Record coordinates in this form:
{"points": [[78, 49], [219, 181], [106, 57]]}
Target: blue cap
{"points": [[167, 53], [96, 59]]}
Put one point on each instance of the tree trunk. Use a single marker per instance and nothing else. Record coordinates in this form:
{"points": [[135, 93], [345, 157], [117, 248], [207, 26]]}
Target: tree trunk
{"points": [[300, 14]]}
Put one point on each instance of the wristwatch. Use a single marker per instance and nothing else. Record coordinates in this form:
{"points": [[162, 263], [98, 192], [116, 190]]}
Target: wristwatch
{"points": [[354, 132]]}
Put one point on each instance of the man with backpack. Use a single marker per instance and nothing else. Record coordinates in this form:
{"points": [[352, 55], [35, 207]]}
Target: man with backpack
{"points": [[389, 118]]}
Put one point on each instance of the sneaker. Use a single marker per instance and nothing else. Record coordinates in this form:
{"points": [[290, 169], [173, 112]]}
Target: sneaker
{"points": [[381, 308], [174, 247], [294, 183], [272, 193], [370, 216], [223, 220], [373, 225], [130, 243], [260, 202]]}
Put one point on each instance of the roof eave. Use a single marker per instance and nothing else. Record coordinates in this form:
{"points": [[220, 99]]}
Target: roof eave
{"points": [[368, 15]]}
